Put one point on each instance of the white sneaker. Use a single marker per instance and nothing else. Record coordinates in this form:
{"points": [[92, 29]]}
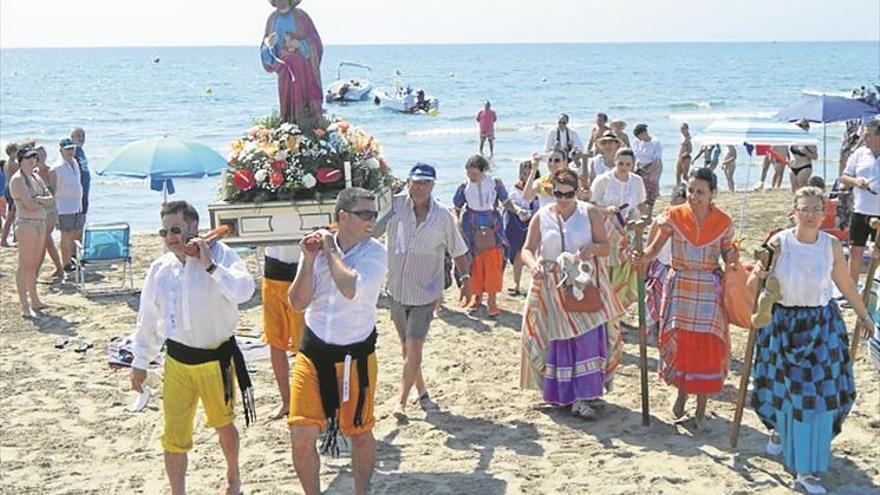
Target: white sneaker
{"points": [[774, 448], [811, 484]]}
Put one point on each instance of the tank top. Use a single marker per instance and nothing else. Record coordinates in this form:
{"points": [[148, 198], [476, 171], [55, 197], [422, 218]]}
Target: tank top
{"points": [[804, 270], [577, 229]]}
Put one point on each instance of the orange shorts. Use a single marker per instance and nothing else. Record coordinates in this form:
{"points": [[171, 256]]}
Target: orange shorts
{"points": [[487, 270], [305, 397], [282, 326]]}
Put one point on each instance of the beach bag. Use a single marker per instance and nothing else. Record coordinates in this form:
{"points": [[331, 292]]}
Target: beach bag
{"points": [[736, 298], [592, 298], [484, 238]]}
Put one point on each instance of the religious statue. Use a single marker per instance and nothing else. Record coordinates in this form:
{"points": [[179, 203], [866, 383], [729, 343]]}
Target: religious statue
{"points": [[292, 49]]}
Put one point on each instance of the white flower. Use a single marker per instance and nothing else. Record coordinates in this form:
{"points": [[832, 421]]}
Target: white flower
{"points": [[371, 163], [332, 127], [281, 155], [309, 181], [261, 175]]}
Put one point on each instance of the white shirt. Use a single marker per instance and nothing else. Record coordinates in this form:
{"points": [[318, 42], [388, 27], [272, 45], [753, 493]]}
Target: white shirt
{"points": [[608, 190], [577, 230], [560, 139], [417, 251], [597, 166], [481, 196], [863, 163], [647, 151], [804, 270], [184, 303], [286, 254], [68, 188], [331, 316]]}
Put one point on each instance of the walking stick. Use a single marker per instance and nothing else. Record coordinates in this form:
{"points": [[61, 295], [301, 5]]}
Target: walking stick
{"points": [[764, 257], [866, 293], [638, 226]]}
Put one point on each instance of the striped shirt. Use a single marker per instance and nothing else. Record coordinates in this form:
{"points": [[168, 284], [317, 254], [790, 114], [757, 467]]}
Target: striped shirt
{"points": [[416, 251]]}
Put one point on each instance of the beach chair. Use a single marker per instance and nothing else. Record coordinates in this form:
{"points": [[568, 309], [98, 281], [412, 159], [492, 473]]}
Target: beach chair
{"points": [[105, 245]]}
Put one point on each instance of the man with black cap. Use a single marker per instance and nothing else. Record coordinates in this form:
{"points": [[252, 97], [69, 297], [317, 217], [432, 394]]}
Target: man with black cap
{"points": [[65, 176], [420, 231]]}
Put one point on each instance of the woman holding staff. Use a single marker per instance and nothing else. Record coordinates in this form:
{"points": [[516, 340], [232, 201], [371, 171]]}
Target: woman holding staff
{"points": [[803, 374], [693, 339]]}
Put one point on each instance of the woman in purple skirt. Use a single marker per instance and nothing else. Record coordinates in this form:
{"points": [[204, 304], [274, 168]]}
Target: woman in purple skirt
{"points": [[564, 353]]}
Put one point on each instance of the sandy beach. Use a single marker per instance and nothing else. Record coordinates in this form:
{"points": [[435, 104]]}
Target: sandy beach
{"points": [[67, 427]]}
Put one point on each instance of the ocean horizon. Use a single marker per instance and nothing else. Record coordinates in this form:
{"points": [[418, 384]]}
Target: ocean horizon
{"points": [[212, 94]]}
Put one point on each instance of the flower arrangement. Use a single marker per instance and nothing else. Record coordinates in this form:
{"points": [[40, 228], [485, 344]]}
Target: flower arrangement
{"points": [[277, 161]]}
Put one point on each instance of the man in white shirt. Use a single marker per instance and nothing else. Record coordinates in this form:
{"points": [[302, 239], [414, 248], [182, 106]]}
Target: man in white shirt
{"points": [[565, 139], [65, 180], [419, 232], [282, 326], [649, 165], [862, 173], [190, 303], [338, 284]]}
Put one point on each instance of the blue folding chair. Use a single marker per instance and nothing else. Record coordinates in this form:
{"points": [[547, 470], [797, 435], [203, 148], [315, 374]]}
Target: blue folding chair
{"points": [[104, 245]]}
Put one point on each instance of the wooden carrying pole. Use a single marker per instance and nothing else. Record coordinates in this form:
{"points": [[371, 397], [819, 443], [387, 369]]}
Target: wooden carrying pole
{"points": [[638, 226], [764, 257], [866, 293]]}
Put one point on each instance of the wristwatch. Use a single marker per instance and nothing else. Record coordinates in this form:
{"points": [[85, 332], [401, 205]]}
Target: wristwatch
{"points": [[211, 268]]}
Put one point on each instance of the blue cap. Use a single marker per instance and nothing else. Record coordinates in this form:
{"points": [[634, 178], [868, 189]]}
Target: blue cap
{"points": [[66, 144], [422, 171]]}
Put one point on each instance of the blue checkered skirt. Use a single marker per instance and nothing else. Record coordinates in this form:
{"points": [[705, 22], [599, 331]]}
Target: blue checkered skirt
{"points": [[803, 382]]}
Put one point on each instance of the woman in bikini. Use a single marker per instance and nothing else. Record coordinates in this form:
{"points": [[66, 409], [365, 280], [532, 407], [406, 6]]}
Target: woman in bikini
{"points": [[683, 165], [728, 165], [51, 217], [33, 199]]}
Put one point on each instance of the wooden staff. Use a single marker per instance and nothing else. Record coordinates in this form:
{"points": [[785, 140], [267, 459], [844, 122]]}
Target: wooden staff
{"points": [[764, 255], [638, 226], [866, 293]]}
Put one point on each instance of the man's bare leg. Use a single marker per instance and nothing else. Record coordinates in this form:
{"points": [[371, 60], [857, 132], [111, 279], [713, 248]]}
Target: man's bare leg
{"points": [[175, 467], [230, 445], [281, 368], [363, 459], [305, 457]]}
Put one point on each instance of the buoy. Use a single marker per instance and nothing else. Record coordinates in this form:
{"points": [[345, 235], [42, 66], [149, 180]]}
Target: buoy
{"points": [[544, 79], [209, 90], [156, 60], [451, 75]]}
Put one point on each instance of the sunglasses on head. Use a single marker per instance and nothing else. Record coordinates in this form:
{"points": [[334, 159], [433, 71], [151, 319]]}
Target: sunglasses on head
{"points": [[173, 230], [365, 215], [565, 195]]}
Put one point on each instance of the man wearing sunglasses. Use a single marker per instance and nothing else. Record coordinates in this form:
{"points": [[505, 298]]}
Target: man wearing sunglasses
{"points": [[419, 233], [565, 139], [190, 303], [333, 381]]}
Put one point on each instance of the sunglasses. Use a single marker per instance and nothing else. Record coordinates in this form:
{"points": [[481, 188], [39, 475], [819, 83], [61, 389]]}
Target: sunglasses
{"points": [[566, 195], [365, 215], [563, 122], [173, 230], [556, 160]]}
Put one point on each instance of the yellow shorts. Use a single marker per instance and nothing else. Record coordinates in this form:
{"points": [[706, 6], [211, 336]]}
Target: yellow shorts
{"points": [[282, 326], [185, 384], [305, 397]]}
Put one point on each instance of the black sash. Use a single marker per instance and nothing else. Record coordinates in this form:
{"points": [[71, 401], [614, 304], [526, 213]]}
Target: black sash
{"points": [[278, 270], [325, 356], [227, 354]]}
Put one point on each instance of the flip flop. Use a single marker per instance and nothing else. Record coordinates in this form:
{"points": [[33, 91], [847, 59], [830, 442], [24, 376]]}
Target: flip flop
{"points": [[61, 342], [83, 346], [140, 402]]}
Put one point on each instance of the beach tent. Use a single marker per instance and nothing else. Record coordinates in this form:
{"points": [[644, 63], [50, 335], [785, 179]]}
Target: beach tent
{"points": [[824, 109], [750, 133], [164, 159]]}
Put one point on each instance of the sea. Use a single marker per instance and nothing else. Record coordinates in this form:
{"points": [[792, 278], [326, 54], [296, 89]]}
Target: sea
{"points": [[213, 94]]}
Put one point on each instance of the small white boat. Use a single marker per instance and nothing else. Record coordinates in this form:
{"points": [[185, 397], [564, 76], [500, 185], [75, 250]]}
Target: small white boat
{"points": [[349, 89], [405, 100]]}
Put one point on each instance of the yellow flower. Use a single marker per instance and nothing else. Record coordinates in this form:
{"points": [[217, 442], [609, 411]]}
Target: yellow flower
{"points": [[237, 146], [270, 149], [293, 143]]}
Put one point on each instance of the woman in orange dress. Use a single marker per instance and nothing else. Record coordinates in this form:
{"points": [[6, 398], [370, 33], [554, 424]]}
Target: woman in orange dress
{"points": [[694, 342]]}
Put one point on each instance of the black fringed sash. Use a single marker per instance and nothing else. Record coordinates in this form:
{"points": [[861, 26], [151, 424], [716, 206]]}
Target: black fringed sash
{"points": [[325, 356], [228, 353]]}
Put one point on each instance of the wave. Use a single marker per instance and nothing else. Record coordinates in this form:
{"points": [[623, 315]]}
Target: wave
{"points": [[472, 129], [702, 116], [703, 104]]}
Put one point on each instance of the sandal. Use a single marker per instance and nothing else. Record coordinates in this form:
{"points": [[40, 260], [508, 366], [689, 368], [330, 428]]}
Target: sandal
{"points": [[514, 292], [774, 448], [811, 484], [582, 408]]}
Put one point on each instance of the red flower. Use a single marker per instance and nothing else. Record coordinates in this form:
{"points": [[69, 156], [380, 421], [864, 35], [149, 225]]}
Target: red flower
{"points": [[320, 132], [244, 179], [276, 179], [279, 165]]}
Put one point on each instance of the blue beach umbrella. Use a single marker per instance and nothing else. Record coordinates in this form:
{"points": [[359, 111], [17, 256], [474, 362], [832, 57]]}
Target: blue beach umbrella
{"points": [[825, 109], [164, 159]]}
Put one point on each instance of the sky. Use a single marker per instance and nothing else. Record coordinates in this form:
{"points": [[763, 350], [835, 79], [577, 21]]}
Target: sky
{"points": [[104, 23]]}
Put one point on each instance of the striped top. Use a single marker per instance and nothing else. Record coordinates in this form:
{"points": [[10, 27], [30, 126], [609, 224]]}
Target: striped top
{"points": [[416, 251]]}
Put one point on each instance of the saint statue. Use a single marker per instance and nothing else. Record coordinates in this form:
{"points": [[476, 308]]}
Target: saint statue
{"points": [[292, 49]]}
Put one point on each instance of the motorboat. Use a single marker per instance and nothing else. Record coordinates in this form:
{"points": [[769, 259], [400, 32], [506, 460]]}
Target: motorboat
{"points": [[405, 99], [349, 89]]}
